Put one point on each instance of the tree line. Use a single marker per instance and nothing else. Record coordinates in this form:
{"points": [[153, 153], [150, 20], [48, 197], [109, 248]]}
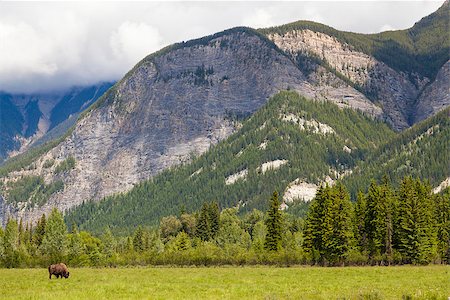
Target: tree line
{"points": [[407, 225]]}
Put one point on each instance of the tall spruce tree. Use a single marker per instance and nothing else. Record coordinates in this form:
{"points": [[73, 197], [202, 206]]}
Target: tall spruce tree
{"points": [[314, 224], [203, 227], [338, 229], [138, 239], [360, 223], [416, 234], [379, 221], [273, 224], [442, 215], [39, 232], [214, 218]]}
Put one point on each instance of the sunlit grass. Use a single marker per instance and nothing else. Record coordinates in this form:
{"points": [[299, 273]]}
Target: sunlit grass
{"points": [[429, 282]]}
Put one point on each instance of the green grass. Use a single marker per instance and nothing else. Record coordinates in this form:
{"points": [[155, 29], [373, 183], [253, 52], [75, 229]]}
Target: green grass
{"points": [[427, 282]]}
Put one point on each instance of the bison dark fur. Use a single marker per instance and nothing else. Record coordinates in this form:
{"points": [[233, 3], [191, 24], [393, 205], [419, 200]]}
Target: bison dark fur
{"points": [[58, 270]]}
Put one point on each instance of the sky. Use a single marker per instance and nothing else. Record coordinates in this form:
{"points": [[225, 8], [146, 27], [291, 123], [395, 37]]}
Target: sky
{"points": [[46, 46]]}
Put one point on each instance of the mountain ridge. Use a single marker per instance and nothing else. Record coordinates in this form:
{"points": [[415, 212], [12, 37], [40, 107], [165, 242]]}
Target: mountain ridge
{"points": [[176, 103]]}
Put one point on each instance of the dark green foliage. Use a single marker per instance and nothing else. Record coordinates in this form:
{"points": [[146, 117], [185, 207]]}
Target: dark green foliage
{"points": [[203, 228], [416, 235], [214, 216], [32, 189], [310, 156], [442, 216], [379, 220], [422, 151], [273, 224], [39, 231], [66, 165], [328, 226], [138, 240]]}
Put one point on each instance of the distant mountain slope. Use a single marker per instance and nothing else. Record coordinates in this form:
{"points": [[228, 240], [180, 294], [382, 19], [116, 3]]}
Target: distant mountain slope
{"points": [[289, 139], [11, 124], [421, 151], [173, 104], [39, 113], [179, 101], [391, 68]]}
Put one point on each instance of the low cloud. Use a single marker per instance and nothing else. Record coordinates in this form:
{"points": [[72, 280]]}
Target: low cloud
{"points": [[51, 46]]}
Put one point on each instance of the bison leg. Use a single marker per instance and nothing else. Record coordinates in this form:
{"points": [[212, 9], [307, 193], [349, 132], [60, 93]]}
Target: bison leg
{"points": [[50, 276]]}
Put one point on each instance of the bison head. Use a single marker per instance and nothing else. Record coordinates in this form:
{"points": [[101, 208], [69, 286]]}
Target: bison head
{"points": [[66, 275]]}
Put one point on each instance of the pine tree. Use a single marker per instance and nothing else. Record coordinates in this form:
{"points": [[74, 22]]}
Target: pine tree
{"points": [[416, 237], [21, 232], [39, 232], [203, 228], [182, 241], [273, 224], [379, 220], [138, 243], [338, 233], [442, 215], [314, 224], [214, 218], [360, 223], [108, 243], [54, 243]]}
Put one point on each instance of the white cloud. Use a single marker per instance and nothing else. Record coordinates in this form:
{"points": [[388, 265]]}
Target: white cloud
{"points": [[53, 45], [133, 41], [386, 27], [261, 18]]}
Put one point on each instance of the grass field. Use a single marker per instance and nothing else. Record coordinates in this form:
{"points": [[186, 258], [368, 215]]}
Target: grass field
{"points": [[428, 282]]}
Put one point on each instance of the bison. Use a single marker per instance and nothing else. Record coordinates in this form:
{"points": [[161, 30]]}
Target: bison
{"points": [[58, 270]]}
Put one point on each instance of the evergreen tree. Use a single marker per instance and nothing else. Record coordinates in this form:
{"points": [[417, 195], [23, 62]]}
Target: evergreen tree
{"points": [[273, 224], [360, 223], [203, 228], [182, 241], [214, 218], [314, 224], [11, 244], [21, 232], [39, 232], [379, 220], [138, 239], [54, 243], [338, 233], [416, 236], [442, 215], [108, 243]]}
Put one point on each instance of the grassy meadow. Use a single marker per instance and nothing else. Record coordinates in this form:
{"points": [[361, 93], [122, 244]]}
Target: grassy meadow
{"points": [[407, 282]]}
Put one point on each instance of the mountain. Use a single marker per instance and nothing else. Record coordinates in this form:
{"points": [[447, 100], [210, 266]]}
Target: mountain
{"points": [[178, 102], [27, 118], [289, 144], [422, 151], [403, 71]]}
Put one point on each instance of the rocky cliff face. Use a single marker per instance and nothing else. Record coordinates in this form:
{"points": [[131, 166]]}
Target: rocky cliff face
{"points": [[435, 96], [179, 101], [174, 105], [391, 89]]}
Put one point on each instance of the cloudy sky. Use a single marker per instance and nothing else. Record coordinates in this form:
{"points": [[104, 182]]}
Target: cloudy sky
{"points": [[54, 45]]}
